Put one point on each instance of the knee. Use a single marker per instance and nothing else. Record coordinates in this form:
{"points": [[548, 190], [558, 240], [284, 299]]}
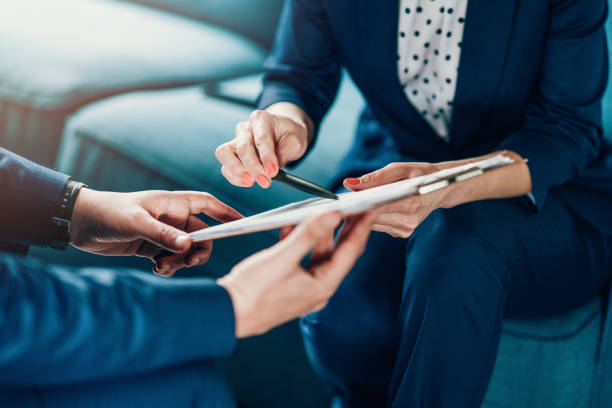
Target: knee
{"points": [[447, 257]]}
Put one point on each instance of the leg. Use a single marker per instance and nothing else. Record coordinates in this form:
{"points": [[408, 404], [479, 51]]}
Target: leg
{"points": [[468, 267], [350, 342], [190, 385]]}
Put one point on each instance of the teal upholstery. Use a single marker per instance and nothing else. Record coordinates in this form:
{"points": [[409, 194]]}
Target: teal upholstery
{"points": [[256, 19], [547, 363], [64, 53], [166, 139]]}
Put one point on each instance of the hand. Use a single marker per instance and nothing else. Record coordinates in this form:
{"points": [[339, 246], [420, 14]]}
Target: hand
{"points": [[400, 219], [265, 143], [144, 224], [271, 288]]}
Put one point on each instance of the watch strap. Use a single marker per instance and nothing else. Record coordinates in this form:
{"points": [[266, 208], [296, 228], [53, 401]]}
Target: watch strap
{"points": [[63, 216]]}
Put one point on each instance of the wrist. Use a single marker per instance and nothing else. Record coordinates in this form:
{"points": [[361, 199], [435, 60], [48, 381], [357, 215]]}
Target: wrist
{"points": [[81, 214], [509, 181]]}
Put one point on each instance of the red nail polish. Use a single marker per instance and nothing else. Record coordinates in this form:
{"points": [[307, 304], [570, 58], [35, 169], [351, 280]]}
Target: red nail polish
{"points": [[247, 180], [263, 181], [353, 181], [271, 169]]}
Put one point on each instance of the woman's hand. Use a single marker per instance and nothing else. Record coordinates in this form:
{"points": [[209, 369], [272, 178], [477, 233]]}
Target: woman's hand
{"points": [[401, 218], [144, 224], [265, 143], [271, 287]]}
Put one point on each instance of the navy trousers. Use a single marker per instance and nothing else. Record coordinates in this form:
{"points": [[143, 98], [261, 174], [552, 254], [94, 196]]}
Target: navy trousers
{"points": [[190, 385], [417, 322]]}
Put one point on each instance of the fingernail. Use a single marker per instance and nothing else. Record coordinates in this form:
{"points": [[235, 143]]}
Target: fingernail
{"points": [[181, 240], [195, 262], [263, 181], [271, 169], [353, 181], [247, 179]]}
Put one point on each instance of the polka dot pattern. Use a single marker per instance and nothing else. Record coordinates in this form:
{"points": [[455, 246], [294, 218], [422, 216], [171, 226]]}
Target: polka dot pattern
{"points": [[429, 50]]}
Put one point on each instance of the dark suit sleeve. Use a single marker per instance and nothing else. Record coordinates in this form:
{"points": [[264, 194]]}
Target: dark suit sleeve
{"points": [[562, 132], [304, 66], [30, 196], [60, 326]]}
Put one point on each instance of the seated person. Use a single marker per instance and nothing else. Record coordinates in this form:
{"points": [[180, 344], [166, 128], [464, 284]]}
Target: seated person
{"points": [[97, 327], [418, 321]]}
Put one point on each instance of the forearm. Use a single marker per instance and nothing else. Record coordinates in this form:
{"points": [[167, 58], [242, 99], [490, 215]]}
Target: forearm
{"points": [[61, 326], [509, 181], [30, 196]]}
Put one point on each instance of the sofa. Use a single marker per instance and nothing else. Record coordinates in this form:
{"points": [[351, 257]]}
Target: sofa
{"points": [[137, 95]]}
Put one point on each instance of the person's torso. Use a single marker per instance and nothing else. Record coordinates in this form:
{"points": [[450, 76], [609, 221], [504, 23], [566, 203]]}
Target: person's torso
{"points": [[502, 51]]}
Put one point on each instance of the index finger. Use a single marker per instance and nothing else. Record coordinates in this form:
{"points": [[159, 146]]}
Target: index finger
{"points": [[262, 126], [206, 203]]}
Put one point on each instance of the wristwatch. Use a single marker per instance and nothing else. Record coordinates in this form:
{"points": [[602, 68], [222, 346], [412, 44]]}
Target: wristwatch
{"points": [[63, 215]]}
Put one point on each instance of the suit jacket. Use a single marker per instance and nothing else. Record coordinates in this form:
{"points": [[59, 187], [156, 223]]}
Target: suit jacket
{"points": [[59, 325], [531, 78]]}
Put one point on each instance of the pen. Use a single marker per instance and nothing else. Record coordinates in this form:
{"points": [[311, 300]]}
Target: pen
{"points": [[303, 185]]}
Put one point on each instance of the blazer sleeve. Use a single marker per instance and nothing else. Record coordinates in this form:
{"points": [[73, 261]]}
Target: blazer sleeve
{"points": [[30, 196], [562, 131], [304, 66], [59, 326]]}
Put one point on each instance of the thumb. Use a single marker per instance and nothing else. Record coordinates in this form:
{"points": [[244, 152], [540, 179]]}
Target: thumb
{"points": [[164, 236], [306, 236]]}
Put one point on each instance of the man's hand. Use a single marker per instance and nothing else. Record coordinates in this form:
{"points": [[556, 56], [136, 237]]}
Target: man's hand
{"points": [[145, 224], [271, 288], [264, 144]]}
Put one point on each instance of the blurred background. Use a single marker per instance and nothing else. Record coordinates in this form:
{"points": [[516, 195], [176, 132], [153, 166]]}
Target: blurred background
{"points": [[134, 95]]}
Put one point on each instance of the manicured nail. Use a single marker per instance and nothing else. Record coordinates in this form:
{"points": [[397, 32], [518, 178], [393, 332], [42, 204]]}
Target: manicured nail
{"points": [[353, 181], [181, 240], [271, 169], [263, 181], [247, 179]]}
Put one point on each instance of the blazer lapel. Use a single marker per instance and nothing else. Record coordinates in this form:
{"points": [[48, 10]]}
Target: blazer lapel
{"points": [[485, 44], [378, 24]]}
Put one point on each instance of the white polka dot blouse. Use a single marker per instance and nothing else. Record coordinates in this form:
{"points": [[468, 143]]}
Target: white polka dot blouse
{"points": [[429, 47]]}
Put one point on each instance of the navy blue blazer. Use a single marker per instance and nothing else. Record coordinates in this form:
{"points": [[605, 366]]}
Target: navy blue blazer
{"points": [[531, 78], [59, 325]]}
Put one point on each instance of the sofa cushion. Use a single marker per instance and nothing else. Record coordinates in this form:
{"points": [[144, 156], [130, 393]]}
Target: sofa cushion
{"points": [[547, 363], [62, 53], [256, 19]]}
